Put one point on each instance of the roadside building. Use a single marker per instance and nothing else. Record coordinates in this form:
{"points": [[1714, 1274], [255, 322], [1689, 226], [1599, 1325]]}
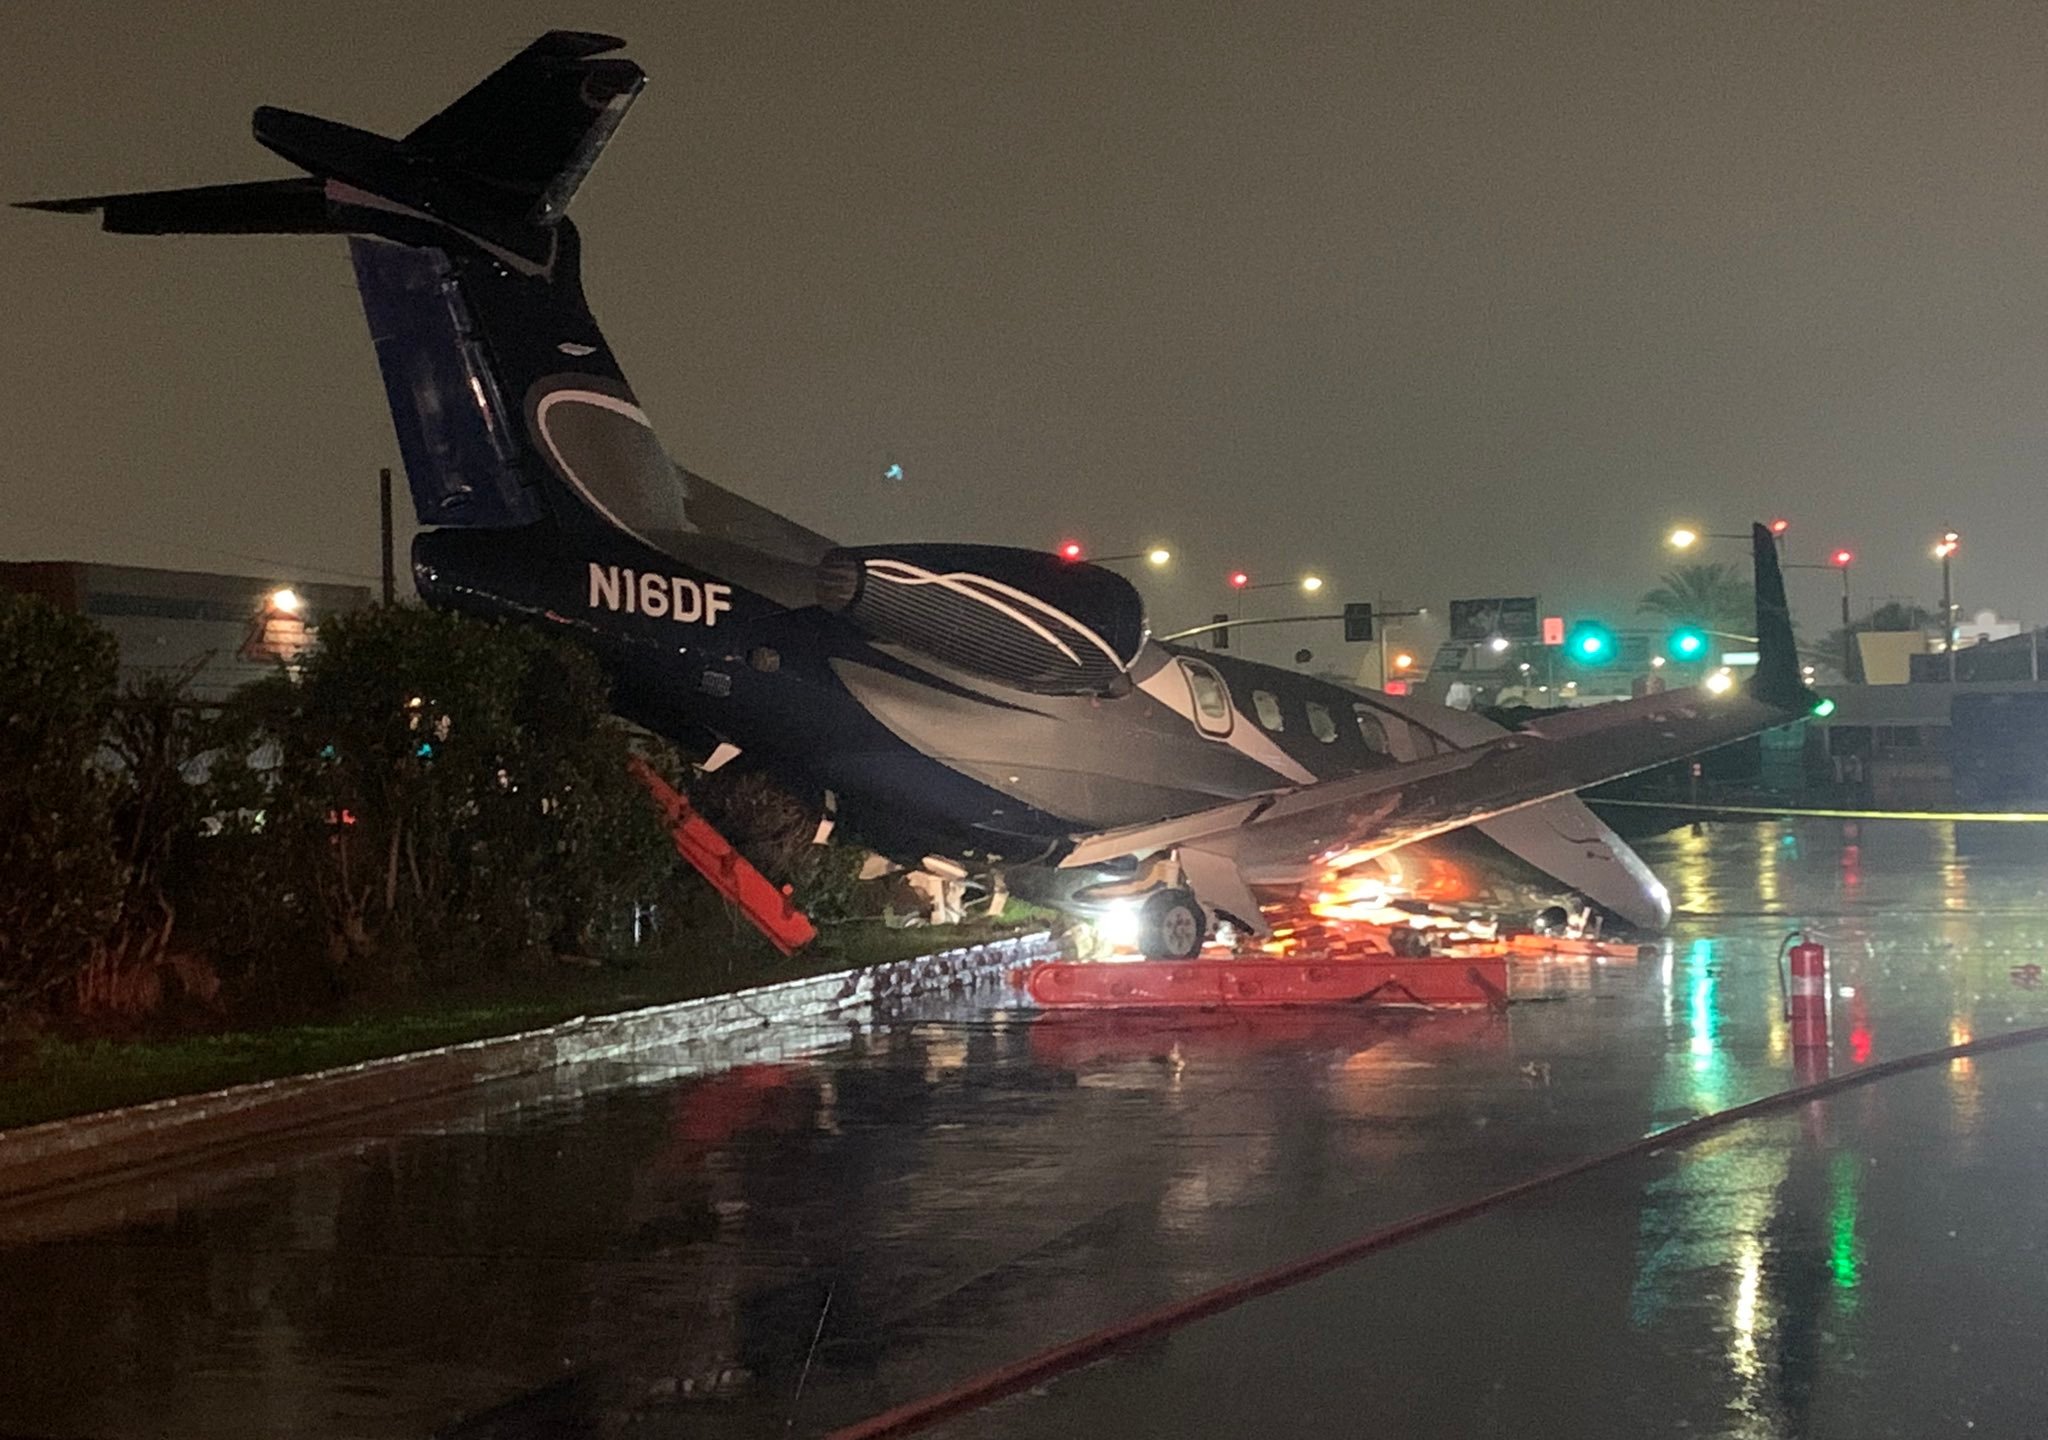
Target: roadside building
{"points": [[234, 628]]}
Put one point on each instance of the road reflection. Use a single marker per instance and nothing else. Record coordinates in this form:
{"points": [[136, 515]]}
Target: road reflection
{"points": [[641, 1252]]}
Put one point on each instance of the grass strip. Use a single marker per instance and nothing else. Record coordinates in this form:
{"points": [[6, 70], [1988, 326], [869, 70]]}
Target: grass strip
{"points": [[61, 1076]]}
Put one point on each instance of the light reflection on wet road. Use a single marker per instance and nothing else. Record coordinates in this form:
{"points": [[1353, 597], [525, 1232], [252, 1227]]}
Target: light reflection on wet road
{"points": [[635, 1252]]}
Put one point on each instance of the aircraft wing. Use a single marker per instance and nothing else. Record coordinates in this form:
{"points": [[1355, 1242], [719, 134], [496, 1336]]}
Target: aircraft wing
{"points": [[1383, 810], [1354, 818]]}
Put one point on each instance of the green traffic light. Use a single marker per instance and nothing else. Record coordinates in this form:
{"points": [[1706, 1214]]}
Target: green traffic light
{"points": [[1590, 643], [1823, 708], [1688, 642]]}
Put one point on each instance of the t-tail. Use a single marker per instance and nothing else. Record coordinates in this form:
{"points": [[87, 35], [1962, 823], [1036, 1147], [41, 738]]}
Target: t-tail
{"points": [[510, 409]]}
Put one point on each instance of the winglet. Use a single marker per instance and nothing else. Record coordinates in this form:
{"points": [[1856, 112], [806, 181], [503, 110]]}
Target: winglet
{"points": [[1778, 680]]}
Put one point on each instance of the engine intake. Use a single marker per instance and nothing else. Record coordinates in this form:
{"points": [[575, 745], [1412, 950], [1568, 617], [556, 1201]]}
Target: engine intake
{"points": [[1021, 617]]}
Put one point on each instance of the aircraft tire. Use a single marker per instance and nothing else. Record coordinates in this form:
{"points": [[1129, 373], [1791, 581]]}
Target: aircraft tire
{"points": [[1408, 943], [1172, 926]]}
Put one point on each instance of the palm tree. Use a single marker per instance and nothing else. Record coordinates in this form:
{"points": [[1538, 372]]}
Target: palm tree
{"points": [[1897, 615], [1712, 595]]}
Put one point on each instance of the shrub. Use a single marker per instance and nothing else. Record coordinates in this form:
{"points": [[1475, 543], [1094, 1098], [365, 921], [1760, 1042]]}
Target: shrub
{"points": [[60, 878], [438, 796]]}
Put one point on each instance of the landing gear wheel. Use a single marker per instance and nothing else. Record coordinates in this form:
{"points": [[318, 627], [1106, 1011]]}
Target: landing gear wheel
{"points": [[1552, 920], [1408, 942], [1171, 926]]}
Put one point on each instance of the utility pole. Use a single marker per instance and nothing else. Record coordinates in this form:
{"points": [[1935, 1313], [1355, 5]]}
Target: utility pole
{"points": [[1948, 619], [1381, 612], [1945, 551], [384, 519], [1379, 607], [1852, 654]]}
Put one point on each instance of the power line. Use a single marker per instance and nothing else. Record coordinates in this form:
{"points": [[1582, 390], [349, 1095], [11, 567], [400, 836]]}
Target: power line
{"points": [[287, 566]]}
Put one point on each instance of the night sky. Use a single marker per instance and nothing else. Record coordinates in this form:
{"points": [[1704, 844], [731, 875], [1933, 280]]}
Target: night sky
{"points": [[1434, 299]]}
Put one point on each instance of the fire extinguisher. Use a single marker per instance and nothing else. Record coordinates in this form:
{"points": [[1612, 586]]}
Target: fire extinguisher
{"points": [[1803, 978]]}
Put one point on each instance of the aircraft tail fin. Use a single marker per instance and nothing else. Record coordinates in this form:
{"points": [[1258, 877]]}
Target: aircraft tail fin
{"points": [[1778, 680], [508, 404], [533, 127], [497, 168]]}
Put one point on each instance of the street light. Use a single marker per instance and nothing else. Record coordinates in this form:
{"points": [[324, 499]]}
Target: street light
{"points": [[1944, 551], [1684, 537], [1241, 581], [1158, 557], [1841, 560]]}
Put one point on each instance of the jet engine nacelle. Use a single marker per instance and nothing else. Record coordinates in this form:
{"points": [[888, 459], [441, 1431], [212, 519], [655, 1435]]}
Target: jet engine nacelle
{"points": [[1022, 617]]}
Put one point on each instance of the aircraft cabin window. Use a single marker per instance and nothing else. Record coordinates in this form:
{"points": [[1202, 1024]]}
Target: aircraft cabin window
{"points": [[1370, 730], [1269, 711], [1212, 699], [1320, 724]]}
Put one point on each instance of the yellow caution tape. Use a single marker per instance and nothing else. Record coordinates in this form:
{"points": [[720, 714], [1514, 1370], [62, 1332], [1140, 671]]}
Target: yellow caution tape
{"points": [[1994, 817]]}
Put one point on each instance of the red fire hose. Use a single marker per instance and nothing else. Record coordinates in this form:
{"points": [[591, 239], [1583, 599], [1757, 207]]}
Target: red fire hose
{"points": [[992, 1385]]}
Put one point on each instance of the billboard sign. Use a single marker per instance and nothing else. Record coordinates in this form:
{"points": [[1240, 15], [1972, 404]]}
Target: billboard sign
{"points": [[1513, 616]]}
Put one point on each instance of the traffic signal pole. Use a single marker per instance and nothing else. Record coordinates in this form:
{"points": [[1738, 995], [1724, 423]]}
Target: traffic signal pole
{"points": [[1218, 625], [1215, 626]]}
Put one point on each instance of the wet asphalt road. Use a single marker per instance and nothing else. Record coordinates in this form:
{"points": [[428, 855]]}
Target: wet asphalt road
{"points": [[784, 1248]]}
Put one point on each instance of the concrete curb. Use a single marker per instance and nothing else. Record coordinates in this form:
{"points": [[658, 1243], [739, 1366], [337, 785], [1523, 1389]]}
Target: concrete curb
{"points": [[113, 1143]]}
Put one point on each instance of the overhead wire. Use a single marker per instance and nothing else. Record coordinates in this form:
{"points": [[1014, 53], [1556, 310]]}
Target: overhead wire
{"points": [[284, 567]]}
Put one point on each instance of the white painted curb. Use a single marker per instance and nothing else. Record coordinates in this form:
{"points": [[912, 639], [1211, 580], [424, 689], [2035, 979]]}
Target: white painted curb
{"points": [[111, 1143]]}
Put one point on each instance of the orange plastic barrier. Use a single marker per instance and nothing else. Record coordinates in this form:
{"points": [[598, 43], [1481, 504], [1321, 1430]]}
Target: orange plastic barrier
{"points": [[1205, 984], [1071, 1038], [788, 929], [1564, 946]]}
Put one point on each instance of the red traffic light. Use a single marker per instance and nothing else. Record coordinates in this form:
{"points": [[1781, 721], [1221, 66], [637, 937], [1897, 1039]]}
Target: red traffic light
{"points": [[1238, 579], [1779, 527], [1070, 550], [1842, 558]]}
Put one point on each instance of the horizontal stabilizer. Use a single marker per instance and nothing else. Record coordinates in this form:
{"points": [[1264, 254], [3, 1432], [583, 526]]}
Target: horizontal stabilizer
{"points": [[498, 166], [260, 207]]}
